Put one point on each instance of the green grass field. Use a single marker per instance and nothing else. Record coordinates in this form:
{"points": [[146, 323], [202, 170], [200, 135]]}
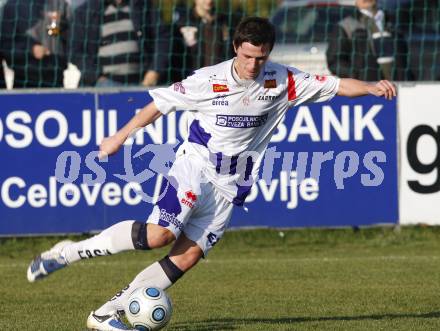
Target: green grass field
{"points": [[372, 279]]}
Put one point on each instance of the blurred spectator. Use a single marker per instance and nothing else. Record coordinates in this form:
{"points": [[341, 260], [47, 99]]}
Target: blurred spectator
{"points": [[33, 41], [424, 38], [365, 46], [2, 74], [116, 43], [203, 36]]}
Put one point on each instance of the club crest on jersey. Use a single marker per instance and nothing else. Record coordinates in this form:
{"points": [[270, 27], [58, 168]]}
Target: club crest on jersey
{"points": [[320, 78], [189, 199], [217, 88], [270, 83], [220, 100], [246, 101], [178, 87]]}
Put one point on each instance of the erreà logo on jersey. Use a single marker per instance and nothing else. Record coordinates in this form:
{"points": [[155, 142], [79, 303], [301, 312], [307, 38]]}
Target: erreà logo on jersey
{"points": [[220, 100], [220, 88], [270, 83]]}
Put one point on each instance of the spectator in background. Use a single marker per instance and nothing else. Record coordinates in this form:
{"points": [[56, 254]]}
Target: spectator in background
{"points": [[365, 46], [423, 27], [203, 36], [2, 74], [118, 42], [33, 41]]}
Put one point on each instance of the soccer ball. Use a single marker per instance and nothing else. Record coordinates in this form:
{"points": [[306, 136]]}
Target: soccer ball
{"points": [[148, 308]]}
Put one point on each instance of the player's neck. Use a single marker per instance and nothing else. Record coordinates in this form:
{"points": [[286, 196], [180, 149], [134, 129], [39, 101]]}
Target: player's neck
{"points": [[236, 75]]}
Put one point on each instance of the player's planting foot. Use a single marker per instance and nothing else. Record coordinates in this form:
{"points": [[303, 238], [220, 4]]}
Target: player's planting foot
{"points": [[110, 322], [47, 262]]}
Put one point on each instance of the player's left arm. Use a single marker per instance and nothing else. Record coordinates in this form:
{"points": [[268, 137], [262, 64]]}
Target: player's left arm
{"points": [[353, 88]]}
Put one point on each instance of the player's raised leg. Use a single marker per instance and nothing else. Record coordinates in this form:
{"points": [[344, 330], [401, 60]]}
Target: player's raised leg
{"points": [[205, 226], [183, 256], [122, 236]]}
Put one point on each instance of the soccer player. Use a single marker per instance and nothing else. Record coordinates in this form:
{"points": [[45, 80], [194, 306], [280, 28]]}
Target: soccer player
{"points": [[234, 108]]}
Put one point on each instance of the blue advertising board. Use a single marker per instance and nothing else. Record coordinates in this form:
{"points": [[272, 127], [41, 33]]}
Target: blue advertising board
{"points": [[340, 157]]}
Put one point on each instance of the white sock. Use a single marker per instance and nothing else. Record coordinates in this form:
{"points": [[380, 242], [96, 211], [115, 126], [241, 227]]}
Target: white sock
{"points": [[154, 275], [112, 240]]}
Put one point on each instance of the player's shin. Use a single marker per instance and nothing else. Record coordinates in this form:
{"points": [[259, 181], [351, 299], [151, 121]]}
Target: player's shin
{"points": [[162, 274], [122, 236]]}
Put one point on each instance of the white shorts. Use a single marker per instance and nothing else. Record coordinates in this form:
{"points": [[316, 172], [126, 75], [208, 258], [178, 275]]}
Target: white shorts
{"points": [[191, 205]]}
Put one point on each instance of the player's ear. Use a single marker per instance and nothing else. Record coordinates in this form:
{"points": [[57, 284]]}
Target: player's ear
{"points": [[235, 47]]}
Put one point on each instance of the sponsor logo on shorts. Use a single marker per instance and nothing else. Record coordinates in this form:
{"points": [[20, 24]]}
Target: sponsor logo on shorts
{"points": [[220, 100], [220, 88], [241, 121], [212, 238], [189, 199], [270, 83], [166, 218]]}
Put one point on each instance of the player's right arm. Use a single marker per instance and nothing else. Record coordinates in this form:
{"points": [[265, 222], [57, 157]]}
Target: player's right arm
{"points": [[147, 115], [182, 95]]}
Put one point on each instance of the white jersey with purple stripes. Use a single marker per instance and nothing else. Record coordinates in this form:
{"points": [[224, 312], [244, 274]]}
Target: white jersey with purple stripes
{"points": [[231, 121]]}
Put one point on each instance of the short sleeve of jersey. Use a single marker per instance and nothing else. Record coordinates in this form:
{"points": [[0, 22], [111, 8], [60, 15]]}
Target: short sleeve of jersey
{"points": [[182, 95], [303, 87]]}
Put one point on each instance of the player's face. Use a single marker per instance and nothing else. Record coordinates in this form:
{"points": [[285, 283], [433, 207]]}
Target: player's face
{"points": [[365, 4], [205, 5], [250, 59]]}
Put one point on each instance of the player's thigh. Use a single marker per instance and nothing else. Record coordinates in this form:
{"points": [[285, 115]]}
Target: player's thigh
{"points": [[158, 236], [210, 219], [178, 196]]}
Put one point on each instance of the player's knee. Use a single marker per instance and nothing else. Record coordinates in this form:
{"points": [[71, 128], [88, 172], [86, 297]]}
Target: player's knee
{"points": [[188, 259], [149, 236], [158, 236]]}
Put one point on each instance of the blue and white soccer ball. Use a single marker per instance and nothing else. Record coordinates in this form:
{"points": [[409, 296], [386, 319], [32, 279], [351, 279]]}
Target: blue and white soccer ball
{"points": [[148, 308]]}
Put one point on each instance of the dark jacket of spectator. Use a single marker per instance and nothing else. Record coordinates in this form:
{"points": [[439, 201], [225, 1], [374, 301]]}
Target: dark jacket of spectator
{"points": [[87, 39], [352, 52], [201, 43], [33, 41], [2, 74], [422, 27]]}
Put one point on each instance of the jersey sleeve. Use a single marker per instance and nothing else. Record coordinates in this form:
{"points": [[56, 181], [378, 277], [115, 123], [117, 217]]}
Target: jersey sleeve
{"points": [[303, 87], [182, 95]]}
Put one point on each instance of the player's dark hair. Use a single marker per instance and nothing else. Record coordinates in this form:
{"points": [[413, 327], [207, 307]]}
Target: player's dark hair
{"points": [[255, 30]]}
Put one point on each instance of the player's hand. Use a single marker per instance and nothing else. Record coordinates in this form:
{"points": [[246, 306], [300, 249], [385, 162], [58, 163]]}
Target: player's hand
{"points": [[151, 78], [109, 146], [384, 88], [39, 51]]}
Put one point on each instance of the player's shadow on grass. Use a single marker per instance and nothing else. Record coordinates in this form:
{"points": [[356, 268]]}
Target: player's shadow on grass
{"points": [[232, 323]]}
